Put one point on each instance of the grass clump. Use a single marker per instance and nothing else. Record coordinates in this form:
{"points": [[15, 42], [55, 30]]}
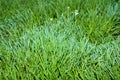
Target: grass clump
{"points": [[59, 40]]}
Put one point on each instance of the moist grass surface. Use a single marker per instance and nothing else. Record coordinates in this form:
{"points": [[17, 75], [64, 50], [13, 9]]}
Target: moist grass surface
{"points": [[59, 39]]}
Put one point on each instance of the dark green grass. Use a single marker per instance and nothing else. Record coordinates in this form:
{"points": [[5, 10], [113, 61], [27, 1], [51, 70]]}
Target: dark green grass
{"points": [[59, 40]]}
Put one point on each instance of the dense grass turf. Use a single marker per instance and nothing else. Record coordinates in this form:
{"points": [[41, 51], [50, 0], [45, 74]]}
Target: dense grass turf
{"points": [[59, 39]]}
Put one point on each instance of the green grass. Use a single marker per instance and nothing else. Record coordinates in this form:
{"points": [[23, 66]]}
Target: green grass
{"points": [[59, 39]]}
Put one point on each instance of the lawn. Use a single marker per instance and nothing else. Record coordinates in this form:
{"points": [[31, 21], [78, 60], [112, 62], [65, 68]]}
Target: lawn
{"points": [[59, 39]]}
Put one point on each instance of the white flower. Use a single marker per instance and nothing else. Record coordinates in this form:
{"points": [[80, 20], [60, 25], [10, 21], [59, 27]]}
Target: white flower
{"points": [[76, 12], [51, 19]]}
